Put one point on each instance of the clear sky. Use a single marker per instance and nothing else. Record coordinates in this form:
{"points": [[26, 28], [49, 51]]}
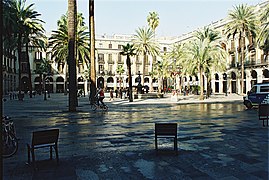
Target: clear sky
{"points": [[125, 16]]}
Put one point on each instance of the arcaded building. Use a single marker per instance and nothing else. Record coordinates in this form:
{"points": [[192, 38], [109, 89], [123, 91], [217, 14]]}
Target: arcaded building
{"points": [[108, 60]]}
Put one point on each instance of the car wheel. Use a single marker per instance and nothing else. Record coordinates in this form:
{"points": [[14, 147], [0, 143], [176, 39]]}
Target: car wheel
{"points": [[249, 105]]}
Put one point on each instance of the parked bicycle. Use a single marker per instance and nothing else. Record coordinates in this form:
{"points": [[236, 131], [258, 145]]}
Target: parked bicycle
{"points": [[9, 139], [95, 106]]}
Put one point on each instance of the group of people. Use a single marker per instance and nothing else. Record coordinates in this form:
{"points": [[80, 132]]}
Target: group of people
{"points": [[100, 94]]}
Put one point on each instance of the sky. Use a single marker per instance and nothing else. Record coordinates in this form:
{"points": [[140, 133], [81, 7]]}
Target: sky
{"points": [[126, 16]]}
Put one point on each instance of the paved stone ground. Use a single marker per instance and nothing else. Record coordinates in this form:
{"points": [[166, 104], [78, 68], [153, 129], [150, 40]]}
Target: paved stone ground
{"points": [[219, 139]]}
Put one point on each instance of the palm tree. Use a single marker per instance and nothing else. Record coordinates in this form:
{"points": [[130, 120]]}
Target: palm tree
{"points": [[43, 69], [144, 43], [153, 20], [202, 56], [242, 22], [34, 37], [212, 36], [23, 23], [72, 10], [129, 50], [161, 69], [120, 70], [92, 51], [59, 42], [176, 55]]}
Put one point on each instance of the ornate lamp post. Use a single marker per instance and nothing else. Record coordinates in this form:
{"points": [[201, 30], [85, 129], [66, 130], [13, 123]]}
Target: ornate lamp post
{"points": [[139, 85]]}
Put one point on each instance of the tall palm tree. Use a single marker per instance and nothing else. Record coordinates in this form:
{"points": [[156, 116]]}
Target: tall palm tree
{"points": [[92, 50], [242, 21], [34, 37], [43, 69], [153, 21], [211, 36], [129, 50], [144, 43], [202, 56], [72, 10], [176, 55], [59, 42], [120, 70], [23, 24], [161, 70]]}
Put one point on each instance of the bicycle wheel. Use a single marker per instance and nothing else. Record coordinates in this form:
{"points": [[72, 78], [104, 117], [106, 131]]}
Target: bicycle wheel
{"points": [[10, 146], [105, 108], [93, 107]]}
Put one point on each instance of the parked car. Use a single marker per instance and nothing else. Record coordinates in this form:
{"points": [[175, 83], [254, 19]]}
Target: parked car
{"points": [[259, 94]]}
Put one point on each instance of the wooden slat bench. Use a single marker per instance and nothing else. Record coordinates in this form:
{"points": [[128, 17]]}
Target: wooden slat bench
{"points": [[264, 113], [42, 139], [166, 130]]}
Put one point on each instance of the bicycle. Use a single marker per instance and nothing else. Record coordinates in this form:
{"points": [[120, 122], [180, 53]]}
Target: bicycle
{"points": [[101, 106], [9, 139]]}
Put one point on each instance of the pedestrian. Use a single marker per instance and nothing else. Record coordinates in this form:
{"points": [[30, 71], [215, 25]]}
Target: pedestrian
{"points": [[111, 95], [116, 92], [100, 95], [120, 93]]}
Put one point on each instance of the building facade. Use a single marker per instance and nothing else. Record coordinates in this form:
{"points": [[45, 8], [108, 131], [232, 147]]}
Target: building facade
{"points": [[108, 59]]}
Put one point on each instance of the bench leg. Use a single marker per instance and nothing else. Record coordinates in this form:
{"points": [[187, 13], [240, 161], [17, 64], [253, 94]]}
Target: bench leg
{"points": [[29, 153], [156, 144], [56, 152], [50, 152], [33, 156], [175, 144]]}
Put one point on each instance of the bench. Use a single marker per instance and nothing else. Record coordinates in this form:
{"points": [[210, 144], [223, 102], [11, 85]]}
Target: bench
{"points": [[166, 130], [43, 139], [264, 113]]}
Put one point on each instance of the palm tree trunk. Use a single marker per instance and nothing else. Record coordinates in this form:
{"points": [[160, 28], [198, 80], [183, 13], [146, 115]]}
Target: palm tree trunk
{"points": [[201, 84], [29, 70], [208, 91], [19, 61], [40, 84], [71, 55], [144, 68], [242, 65], [160, 82], [130, 79], [92, 56]]}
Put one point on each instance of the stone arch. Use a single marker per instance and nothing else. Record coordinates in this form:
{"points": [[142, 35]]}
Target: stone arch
{"points": [[100, 82], [216, 83], [60, 79], [146, 80], [233, 82], [110, 80]]}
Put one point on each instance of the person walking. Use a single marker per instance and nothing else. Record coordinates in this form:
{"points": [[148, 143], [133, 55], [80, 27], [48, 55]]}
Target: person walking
{"points": [[100, 96], [111, 95]]}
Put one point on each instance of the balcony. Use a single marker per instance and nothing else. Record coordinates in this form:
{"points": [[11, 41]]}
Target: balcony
{"points": [[110, 62], [120, 62], [101, 61]]}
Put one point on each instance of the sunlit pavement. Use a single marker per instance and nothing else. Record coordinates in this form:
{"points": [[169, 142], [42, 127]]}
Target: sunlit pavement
{"points": [[216, 140]]}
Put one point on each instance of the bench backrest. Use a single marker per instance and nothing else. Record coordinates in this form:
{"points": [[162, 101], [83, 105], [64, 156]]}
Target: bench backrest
{"points": [[45, 137], [166, 129], [263, 110]]}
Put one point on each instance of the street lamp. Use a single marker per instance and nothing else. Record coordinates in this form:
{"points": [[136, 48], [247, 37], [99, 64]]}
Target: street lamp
{"points": [[48, 88]]}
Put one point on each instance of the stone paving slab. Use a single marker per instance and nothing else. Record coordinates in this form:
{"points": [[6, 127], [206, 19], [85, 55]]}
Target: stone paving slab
{"points": [[219, 140]]}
